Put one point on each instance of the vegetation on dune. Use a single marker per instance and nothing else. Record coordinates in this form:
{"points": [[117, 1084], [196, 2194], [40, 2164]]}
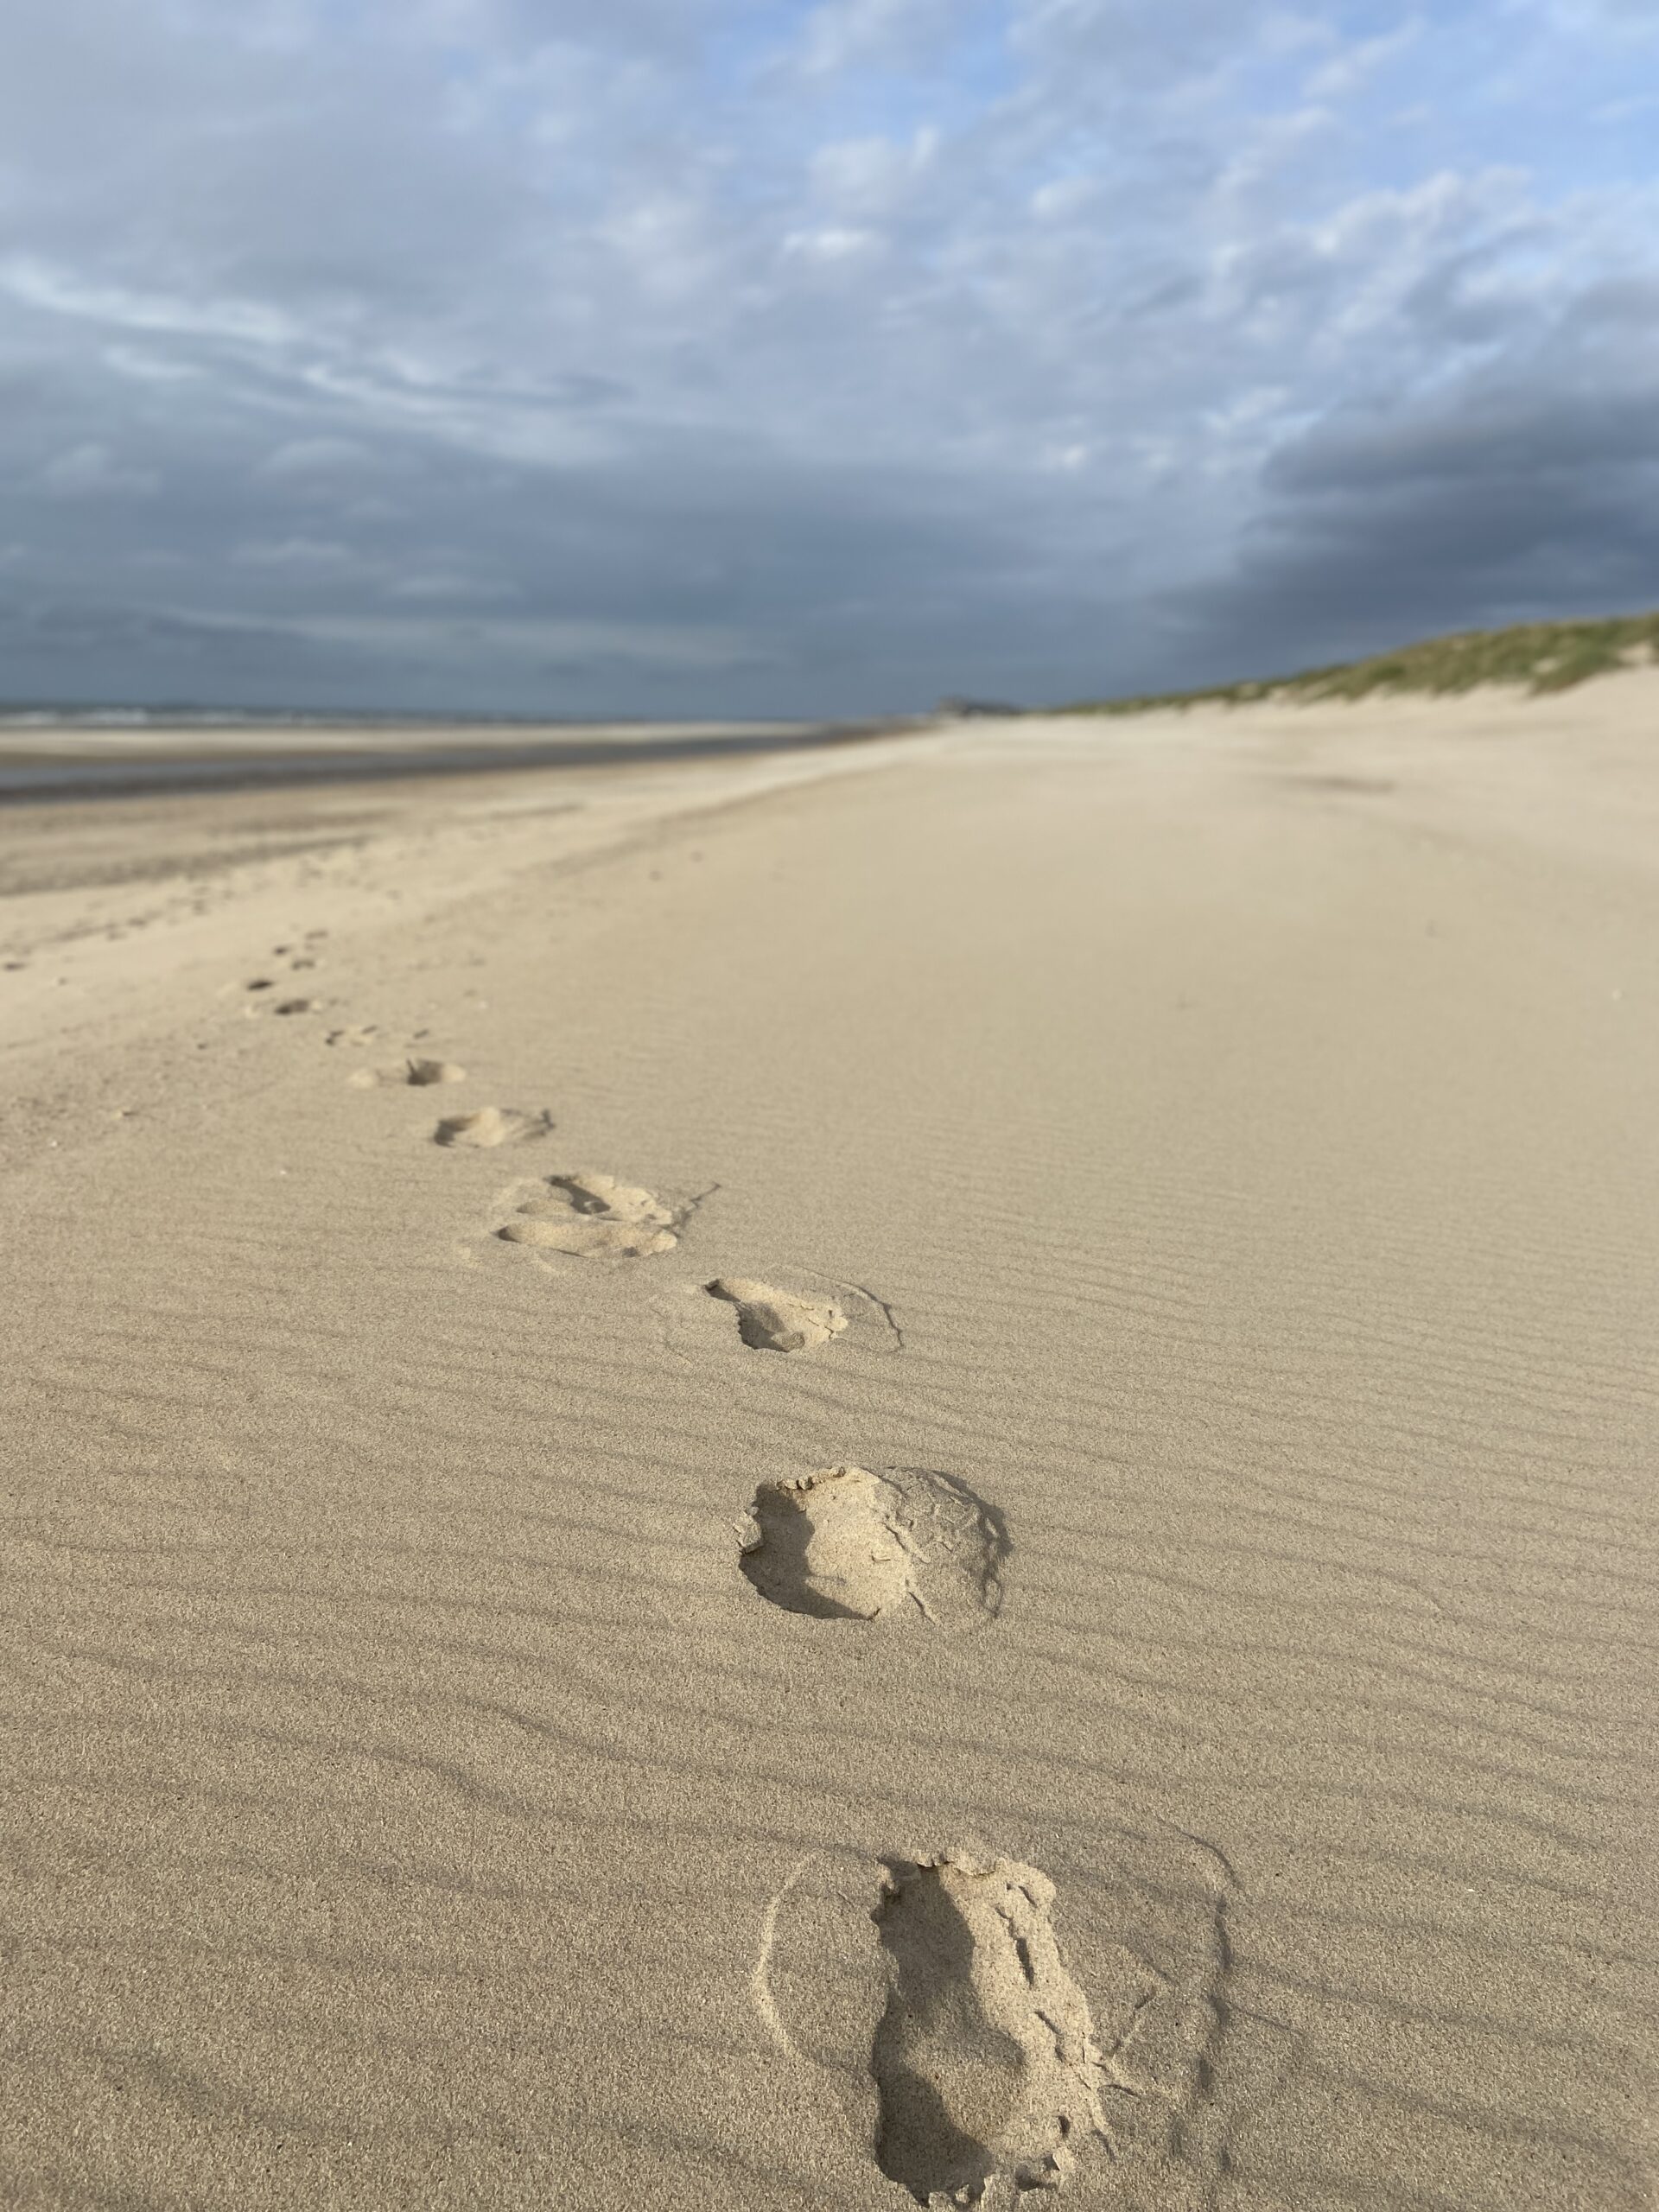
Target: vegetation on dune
{"points": [[1541, 656]]}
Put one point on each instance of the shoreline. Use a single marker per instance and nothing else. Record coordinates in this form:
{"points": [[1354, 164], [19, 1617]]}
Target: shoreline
{"points": [[105, 765]]}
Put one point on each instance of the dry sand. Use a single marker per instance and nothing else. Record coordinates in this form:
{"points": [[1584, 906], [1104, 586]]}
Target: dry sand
{"points": [[1188, 1191]]}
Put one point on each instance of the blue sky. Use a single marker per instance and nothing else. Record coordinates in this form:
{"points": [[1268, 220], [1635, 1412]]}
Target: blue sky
{"points": [[722, 356]]}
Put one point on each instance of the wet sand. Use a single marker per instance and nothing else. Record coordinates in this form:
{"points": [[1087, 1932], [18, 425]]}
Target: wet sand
{"points": [[43, 761]]}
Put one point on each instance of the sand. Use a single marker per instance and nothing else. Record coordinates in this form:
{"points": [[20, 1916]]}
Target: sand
{"points": [[1046, 1580]]}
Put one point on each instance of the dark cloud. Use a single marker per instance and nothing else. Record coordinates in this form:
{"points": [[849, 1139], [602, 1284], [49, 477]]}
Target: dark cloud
{"points": [[1495, 503]]}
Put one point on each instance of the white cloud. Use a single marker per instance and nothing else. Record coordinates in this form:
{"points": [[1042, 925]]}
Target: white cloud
{"points": [[37, 284], [830, 243], [841, 34], [1353, 66]]}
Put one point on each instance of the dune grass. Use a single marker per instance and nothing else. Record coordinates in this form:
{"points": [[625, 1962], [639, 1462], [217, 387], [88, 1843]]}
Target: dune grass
{"points": [[1540, 656]]}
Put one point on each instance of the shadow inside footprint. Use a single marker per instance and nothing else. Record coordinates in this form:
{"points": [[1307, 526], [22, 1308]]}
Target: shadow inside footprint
{"points": [[777, 1320], [594, 1217], [984, 2060]]}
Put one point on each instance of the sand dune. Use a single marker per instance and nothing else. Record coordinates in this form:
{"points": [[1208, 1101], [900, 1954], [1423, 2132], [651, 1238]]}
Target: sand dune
{"points": [[1156, 1704]]}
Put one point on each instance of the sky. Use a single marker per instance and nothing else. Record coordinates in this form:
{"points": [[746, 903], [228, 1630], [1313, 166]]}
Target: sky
{"points": [[732, 357]]}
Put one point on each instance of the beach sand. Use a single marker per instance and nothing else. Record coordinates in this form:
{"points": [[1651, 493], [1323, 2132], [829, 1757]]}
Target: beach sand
{"points": [[1115, 1649]]}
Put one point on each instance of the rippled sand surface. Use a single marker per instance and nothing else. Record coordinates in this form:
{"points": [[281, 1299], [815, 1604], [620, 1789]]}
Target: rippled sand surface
{"points": [[1033, 1562]]}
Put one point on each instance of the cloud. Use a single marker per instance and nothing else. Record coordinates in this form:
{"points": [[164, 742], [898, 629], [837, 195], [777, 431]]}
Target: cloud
{"points": [[320, 460], [715, 355], [92, 472], [842, 35], [1516, 491]]}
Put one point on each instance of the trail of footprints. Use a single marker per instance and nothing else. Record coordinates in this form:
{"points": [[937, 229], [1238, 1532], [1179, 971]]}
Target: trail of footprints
{"points": [[982, 2058]]}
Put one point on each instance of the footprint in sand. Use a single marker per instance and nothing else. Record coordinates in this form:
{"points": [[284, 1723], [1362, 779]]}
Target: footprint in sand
{"points": [[303, 954], [354, 1040], [777, 1320], [802, 1314], [940, 2034], [594, 1217], [258, 985], [420, 1072], [489, 1127], [843, 1543], [985, 2062]]}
